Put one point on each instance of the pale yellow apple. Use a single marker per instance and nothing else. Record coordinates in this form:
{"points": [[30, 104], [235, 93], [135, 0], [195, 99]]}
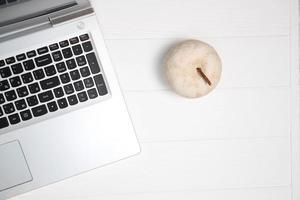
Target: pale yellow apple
{"points": [[193, 68]]}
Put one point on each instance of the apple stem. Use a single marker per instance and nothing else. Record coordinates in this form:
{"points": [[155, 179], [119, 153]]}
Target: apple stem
{"points": [[201, 73]]}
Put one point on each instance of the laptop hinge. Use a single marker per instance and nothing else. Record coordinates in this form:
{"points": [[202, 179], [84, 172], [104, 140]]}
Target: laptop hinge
{"points": [[72, 15]]}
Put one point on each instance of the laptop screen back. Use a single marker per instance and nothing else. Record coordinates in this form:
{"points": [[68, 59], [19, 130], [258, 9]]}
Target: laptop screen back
{"points": [[14, 11]]}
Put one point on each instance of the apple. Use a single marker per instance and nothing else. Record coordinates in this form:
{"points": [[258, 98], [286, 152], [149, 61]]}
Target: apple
{"points": [[193, 68]]}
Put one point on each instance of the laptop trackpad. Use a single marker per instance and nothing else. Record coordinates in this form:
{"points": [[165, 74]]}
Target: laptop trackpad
{"points": [[13, 166]]}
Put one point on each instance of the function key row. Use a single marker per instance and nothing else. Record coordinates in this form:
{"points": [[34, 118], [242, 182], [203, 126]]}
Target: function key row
{"points": [[45, 49], [66, 43]]}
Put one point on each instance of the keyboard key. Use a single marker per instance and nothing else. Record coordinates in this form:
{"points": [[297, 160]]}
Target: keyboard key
{"points": [[20, 104], [85, 72], [39, 111], [69, 89], [21, 57], [25, 115], [50, 71], [10, 60], [64, 43], [82, 96], [81, 60], [78, 86], [74, 40], [75, 75], [22, 91], [92, 93], [10, 95], [72, 100], [84, 37], [46, 96], [4, 85], [28, 65], [77, 50], [14, 119], [88, 82], [43, 60], [32, 101], [5, 72], [65, 78], [53, 47], [39, 74], [42, 50], [3, 123], [27, 78], [9, 108], [52, 106], [31, 54], [50, 83], [34, 88], [2, 99], [87, 46], [15, 81], [57, 56], [2, 63], [62, 103], [1, 112], [17, 68], [61, 67], [67, 53], [93, 63], [58, 92], [71, 64]]}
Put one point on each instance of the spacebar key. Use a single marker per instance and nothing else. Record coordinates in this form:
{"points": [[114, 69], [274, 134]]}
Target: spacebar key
{"points": [[50, 83], [93, 63]]}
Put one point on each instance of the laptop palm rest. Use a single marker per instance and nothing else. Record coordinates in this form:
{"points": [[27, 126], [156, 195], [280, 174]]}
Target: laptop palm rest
{"points": [[13, 166]]}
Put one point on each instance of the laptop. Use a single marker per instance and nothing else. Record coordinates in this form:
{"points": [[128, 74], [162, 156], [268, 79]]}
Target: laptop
{"points": [[62, 111]]}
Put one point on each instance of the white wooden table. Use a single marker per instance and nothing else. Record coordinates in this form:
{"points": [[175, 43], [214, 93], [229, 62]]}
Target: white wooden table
{"points": [[240, 142]]}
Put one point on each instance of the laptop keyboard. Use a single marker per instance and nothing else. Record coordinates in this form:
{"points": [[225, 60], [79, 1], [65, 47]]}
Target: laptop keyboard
{"points": [[49, 79]]}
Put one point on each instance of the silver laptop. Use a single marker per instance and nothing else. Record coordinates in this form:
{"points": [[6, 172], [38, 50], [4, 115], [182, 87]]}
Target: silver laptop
{"points": [[61, 108]]}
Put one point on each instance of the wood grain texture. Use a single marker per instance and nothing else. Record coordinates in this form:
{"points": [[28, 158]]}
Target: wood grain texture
{"points": [[179, 18], [247, 62], [185, 167]]}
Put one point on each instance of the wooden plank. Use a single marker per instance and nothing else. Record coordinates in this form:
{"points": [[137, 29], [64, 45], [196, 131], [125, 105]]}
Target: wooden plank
{"points": [[247, 62], [179, 18], [237, 113], [186, 166]]}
